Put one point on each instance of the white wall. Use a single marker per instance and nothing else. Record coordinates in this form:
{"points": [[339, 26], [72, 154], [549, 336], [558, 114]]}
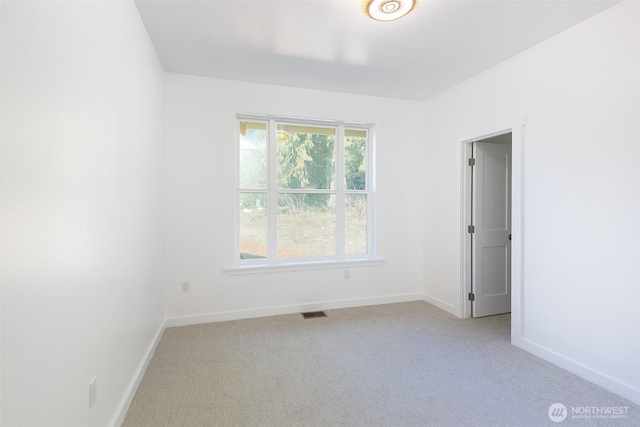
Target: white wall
{"points": [[581, 192], [81, 208], [200, 137]]}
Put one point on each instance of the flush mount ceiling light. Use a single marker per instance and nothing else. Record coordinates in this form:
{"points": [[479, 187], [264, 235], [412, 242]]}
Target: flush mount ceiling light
{"points": [[387, 10]]}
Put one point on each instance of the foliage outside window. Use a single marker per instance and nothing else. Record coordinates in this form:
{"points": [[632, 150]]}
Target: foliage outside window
{"points": [[304, 191]]}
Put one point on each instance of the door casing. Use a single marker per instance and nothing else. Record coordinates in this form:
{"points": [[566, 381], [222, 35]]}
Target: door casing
{"points": [[464, 141]]}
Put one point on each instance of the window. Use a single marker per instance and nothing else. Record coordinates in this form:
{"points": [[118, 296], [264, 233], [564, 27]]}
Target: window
{"points": [[304, 191]]}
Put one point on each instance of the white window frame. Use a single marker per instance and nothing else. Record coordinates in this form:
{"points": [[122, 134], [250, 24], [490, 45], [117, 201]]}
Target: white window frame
{"points": [[274, 264]]}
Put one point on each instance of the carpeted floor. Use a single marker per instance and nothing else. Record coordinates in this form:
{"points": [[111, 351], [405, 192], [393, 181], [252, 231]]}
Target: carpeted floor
{"points": [[408, 364]]}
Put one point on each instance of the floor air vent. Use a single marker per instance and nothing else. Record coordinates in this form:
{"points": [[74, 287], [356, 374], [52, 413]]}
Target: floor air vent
{"points": [[313, 314]]}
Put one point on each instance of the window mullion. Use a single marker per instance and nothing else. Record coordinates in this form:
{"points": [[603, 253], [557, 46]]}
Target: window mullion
{"points": [[272, 196], [340, 194], [371, 194]]}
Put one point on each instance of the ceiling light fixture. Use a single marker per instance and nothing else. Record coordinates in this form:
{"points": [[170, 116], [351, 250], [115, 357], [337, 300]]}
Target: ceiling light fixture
{"points": [[387, 10]]}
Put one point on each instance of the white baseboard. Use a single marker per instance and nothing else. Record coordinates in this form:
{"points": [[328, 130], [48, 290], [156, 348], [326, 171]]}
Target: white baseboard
{"points": [[449, 308], [122, 409], [289, 309], [621, 389]]}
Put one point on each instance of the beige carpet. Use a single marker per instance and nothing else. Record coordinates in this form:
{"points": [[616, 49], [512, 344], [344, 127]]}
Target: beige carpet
{"points": [[407, 364]]}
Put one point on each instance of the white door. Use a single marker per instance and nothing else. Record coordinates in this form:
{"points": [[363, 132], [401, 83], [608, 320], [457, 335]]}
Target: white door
{"points": [[490, 241]]}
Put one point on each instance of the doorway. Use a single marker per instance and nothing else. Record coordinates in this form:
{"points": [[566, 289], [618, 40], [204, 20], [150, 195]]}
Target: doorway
{"points": [[464, 143], [490, 228]]}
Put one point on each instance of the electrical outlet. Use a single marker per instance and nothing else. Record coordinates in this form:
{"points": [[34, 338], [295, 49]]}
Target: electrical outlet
{"points": [[93, 391], [347, 274], [185, 286]]}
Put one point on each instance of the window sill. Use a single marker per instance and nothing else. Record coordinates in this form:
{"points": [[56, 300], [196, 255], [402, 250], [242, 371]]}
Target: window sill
{"points": [[301, 266]]}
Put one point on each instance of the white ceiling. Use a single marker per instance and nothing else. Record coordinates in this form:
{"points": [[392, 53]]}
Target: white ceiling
{"points": [[330, 45]]}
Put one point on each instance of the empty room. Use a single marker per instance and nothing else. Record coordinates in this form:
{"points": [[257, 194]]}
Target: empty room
{"points": [[319, 213]]}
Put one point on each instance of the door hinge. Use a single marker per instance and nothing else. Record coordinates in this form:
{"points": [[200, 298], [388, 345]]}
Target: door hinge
{"points": [[472, 162], [472, 296], [472, 229]]}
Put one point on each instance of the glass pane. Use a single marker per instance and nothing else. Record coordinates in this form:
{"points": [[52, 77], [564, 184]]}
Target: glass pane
{"points": [[356, 224], [306, 157], [253, 155], [253, 225], [306, 225], [355, 155]]}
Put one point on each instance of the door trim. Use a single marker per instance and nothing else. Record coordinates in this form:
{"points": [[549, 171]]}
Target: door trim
{"points": [[464, 142]]}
